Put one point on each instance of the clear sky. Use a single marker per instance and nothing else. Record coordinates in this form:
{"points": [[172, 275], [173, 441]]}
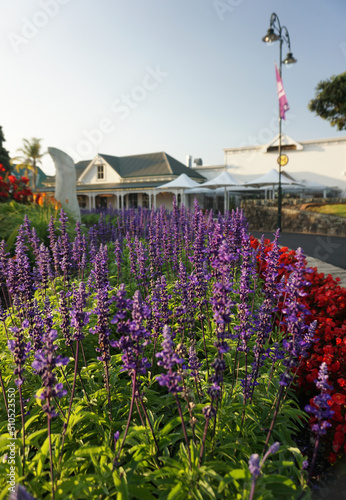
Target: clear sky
{"points": [[125, 77]]}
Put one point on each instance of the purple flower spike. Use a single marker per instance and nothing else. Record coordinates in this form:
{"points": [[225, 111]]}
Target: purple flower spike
{"points": [[20, 350], [116, 437], [135, 337], [254, 465], [20, 493], [321, 409], [79, 318], [168, 359], [45, 362]]}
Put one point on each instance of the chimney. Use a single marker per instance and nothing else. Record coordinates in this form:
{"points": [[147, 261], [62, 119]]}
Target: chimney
{"points": [[189, 161]]}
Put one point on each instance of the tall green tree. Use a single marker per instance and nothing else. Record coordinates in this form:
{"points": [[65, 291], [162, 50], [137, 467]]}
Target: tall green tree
{"points": [[330, 101], [5, 160], [30, 158]]}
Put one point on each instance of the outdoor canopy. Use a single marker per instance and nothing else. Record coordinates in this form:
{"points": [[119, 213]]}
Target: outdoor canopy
{"points": [[224, 180], [181, 183], [271, 179]]}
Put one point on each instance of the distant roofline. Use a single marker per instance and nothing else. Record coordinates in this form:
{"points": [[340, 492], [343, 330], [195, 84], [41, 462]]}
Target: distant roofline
{"points": [[85, 165], [261, 146]]}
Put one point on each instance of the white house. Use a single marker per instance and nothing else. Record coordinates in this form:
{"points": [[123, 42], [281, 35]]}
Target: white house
{"points": [[127, 181]]}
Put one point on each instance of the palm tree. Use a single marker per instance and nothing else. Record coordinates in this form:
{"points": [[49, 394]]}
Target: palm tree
{"points": [[31, 157]]}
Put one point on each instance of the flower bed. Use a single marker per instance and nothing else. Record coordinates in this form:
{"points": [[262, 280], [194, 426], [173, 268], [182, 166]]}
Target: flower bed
{"points": [[13, 188], [150, 358], [325, 300]]}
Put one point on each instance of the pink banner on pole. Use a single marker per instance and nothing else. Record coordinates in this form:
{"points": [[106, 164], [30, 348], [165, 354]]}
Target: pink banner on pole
{"points": [[283, 103]]}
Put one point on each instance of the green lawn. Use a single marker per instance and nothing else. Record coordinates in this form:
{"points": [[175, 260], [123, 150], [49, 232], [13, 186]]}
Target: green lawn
{"points": [[339, 209]]}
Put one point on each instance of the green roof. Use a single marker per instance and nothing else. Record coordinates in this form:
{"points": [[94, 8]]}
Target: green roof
{"points": [[149, 165], [144, 165]]}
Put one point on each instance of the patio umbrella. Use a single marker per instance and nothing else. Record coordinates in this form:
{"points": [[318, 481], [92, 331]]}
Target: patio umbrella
{"points": [[224, 180], [181, 183], [306, 185], [272, 179]]}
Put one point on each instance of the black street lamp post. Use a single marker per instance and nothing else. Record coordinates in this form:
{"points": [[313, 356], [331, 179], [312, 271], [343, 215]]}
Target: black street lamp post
{"points": [[276, 32]]}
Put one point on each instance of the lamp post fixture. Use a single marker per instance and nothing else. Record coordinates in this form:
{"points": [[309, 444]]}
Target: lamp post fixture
{"points": [[275, 33]]}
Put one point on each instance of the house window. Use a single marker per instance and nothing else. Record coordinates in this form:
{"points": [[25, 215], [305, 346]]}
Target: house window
{"points": [[133, 200], [101, 202], [100, 172], [145, 200]]}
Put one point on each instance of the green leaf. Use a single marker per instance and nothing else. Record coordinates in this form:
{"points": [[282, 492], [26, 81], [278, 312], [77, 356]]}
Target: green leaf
{"points": [[34, 438], [120, 482], [237, 473], [141, 492], [204, 486], [42, 456], [172, 424], [86, 451], [176, 493]]}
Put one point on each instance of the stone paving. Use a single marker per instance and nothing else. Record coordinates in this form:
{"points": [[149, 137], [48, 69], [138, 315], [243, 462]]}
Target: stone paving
{"points": [[325, 268]]}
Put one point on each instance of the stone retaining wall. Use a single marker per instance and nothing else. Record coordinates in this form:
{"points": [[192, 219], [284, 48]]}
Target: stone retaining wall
{"points": [[262, 217]]}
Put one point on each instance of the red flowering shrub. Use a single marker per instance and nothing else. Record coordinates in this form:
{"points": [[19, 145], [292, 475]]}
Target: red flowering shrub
{"points": [[326, 302], [13, 188]]}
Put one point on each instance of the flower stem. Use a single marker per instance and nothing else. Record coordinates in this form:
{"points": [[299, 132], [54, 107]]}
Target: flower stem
{"points": [[313, 461], [51, 456], [71, 400], [149, 423], [130, 415], [23, 424], [184, 429], [252, 491], [281, 390], [108, 390], [201, 453]]}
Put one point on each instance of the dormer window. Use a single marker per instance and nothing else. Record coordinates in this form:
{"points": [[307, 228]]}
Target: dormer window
{"points": [[100, 172]]}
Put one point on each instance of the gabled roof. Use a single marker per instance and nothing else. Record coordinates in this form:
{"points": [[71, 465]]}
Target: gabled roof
{"points": [[144, 165], [80, 167], [147, 165], [286, 142]]}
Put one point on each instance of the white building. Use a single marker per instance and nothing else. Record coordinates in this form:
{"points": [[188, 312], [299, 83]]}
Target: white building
{"points": [[321, 160]]}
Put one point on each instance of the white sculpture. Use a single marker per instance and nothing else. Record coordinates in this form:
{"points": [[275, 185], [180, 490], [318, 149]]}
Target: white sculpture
{"points": [[65, 181]]}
